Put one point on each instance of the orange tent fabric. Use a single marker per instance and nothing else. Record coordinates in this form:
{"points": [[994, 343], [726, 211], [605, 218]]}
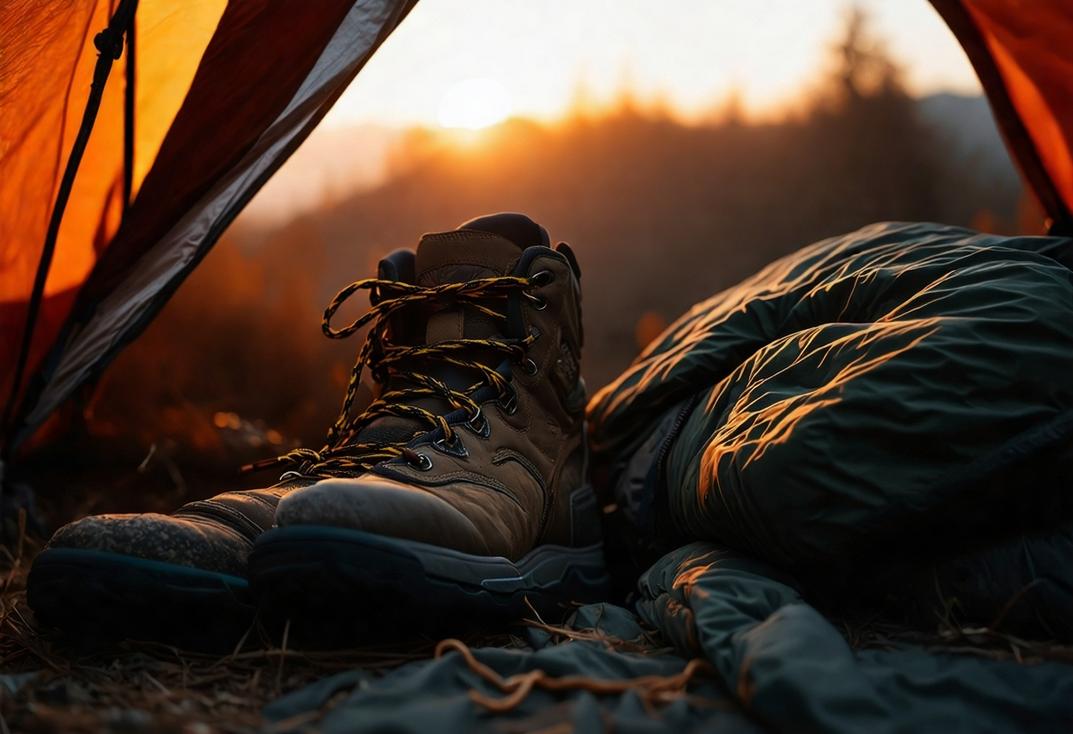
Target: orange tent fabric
{"points": [[36, 137], [1023, 52], [209, 97]]}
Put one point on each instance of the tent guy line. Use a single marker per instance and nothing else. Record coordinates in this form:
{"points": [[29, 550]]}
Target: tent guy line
{"points": [[109, 45]]}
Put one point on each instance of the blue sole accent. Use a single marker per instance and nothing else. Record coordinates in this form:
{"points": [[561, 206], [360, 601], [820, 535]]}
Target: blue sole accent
{"points": [[321, 573], [92, 594]]}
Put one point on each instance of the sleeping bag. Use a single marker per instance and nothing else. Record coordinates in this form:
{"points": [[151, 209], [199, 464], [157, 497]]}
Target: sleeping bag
{"points": [[888, 412]]}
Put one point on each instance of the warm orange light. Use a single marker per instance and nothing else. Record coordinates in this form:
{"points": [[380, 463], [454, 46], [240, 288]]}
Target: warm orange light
{"points": [[473, 104]]}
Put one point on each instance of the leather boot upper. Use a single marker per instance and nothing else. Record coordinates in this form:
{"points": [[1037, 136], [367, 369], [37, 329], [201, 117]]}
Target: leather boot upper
{"points": [[214, 534], [510, 474]]}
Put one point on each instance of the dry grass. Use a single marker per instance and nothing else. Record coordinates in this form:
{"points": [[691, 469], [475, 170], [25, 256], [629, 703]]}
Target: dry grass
{"points": [[949, 637]]}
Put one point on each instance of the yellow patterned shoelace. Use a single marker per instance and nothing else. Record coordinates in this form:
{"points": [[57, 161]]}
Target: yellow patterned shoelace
{"points": [[343, 453]]}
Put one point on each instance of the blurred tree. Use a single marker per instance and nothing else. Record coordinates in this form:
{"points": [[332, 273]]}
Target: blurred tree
{"points": [[863, 69], [877, 158]]}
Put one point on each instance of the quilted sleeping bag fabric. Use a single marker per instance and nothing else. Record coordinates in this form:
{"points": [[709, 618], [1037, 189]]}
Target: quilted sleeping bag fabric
{"points": [[902, 392], [794, 671]]}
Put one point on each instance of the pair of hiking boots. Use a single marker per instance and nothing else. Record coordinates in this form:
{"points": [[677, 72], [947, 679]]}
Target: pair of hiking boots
{"points": [[459, 494]]}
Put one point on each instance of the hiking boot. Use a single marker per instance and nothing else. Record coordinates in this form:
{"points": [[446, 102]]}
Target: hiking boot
{"points": [[178, 577], [460, 493]]}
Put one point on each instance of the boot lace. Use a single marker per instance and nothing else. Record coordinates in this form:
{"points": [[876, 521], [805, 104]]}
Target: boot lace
{"points": [[406, 365]]}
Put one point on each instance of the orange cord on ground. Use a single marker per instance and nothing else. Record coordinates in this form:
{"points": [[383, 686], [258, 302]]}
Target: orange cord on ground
{"points": [[652, 688]]}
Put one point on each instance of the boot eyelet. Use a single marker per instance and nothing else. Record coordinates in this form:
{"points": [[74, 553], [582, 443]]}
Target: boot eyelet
{"points": [[538, 303], [454, 447], [530, 367], [479, 425], [542, 278], [423, 463], [509, 403]]}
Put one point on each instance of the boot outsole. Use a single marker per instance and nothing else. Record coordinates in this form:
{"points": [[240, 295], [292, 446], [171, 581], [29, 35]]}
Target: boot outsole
{"points": [[97, 596], [340, 583]]}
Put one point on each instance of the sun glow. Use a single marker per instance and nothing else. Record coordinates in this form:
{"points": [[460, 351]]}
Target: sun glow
{"points": [[538, 60], [473, 104]]}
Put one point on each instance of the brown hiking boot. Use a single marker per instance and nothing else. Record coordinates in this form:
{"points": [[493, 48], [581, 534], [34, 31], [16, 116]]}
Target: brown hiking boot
{"points": [[462, 488], [178, 577]]}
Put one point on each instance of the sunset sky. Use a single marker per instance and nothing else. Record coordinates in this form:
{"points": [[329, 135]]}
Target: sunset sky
{"points": [[473, 63], [468, 63]]}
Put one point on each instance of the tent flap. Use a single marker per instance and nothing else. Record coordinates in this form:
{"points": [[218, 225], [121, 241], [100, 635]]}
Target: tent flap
{"points": [[1024, 58], [227, 123]]}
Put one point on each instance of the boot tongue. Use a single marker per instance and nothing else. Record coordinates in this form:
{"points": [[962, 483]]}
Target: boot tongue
{"points": [[480, 248], [456, 257]]}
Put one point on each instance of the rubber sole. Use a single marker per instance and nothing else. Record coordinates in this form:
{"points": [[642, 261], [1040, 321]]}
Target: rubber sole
{"points": [[96, 595], [336, 582]]}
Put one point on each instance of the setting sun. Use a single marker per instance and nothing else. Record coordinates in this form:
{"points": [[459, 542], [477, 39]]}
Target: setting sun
{"points": [[473, 104], [546, 56]]}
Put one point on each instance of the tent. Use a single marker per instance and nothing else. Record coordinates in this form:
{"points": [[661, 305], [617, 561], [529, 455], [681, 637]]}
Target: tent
{"points": [[124, 155], [102, 219]]}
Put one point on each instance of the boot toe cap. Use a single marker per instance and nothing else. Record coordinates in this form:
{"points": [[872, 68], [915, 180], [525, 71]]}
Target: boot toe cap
{"points": [[183, 541], [385, 507]]}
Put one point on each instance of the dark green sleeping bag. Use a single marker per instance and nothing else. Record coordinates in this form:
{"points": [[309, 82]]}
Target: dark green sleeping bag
{"points": [[893, 407]]}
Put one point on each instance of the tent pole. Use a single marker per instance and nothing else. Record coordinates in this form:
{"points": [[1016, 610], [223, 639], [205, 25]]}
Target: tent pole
{"points": [[128, 113], [109, 43]]}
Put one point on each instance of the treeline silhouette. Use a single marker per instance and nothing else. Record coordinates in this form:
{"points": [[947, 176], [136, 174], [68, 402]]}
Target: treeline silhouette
{"points": [[661, 214]]}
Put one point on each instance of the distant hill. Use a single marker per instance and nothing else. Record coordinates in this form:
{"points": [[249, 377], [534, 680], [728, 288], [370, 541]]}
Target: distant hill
{"points": [[336, 162], [966, 121], [661, 213], [331, 163]]}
